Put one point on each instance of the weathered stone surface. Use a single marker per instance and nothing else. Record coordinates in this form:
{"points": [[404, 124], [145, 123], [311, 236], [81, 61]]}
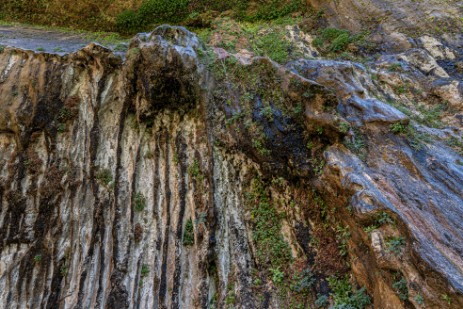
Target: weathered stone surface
{"points": [[141, 183]]}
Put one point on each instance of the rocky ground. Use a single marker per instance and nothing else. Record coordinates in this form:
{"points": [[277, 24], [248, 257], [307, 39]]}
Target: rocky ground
{"points": [[194, 175]]}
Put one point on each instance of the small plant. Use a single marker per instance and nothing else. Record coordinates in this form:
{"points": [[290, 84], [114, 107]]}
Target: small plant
{"points": [[145, 270], [321, 301], [401, 89], [310, 145], [456, 144], [395, 67], [272, 248], [419, 299], [273, 45], [38, 258], [356, 143], [398, 128], [194, 170], [267, 112], [303, 281], [446, 298], [61, 128], [344, 297], [40, 49], [258, 145], [344, 127], [63, 270], [188, 234], [231, 297], [139, 202], [400, 286], [342, 237], [2, 48], [297, 109], [277, 275], [104, 176], [384, 218], [395, 244], [58, 49], [369, 229], [432, 116], [334, 40]]}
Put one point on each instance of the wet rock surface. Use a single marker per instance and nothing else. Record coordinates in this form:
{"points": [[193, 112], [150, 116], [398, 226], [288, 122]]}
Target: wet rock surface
{"points": [[184, 178]]}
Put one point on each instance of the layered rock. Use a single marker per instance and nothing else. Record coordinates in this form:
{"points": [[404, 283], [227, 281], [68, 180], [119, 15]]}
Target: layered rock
{"points": [[178, 178]]}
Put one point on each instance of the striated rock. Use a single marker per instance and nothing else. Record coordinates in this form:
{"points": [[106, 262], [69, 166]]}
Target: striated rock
{"points": [[184, 178]]}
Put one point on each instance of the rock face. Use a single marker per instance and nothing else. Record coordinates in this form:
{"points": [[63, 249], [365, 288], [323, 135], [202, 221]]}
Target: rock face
{"points": [[179, 179]]}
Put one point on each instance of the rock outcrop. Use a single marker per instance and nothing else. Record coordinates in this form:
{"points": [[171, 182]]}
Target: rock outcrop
{"points": [[179, 178]]}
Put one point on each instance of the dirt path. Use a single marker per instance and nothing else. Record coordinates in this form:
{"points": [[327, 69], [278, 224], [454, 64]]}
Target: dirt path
{"points": [[50, 41]]}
